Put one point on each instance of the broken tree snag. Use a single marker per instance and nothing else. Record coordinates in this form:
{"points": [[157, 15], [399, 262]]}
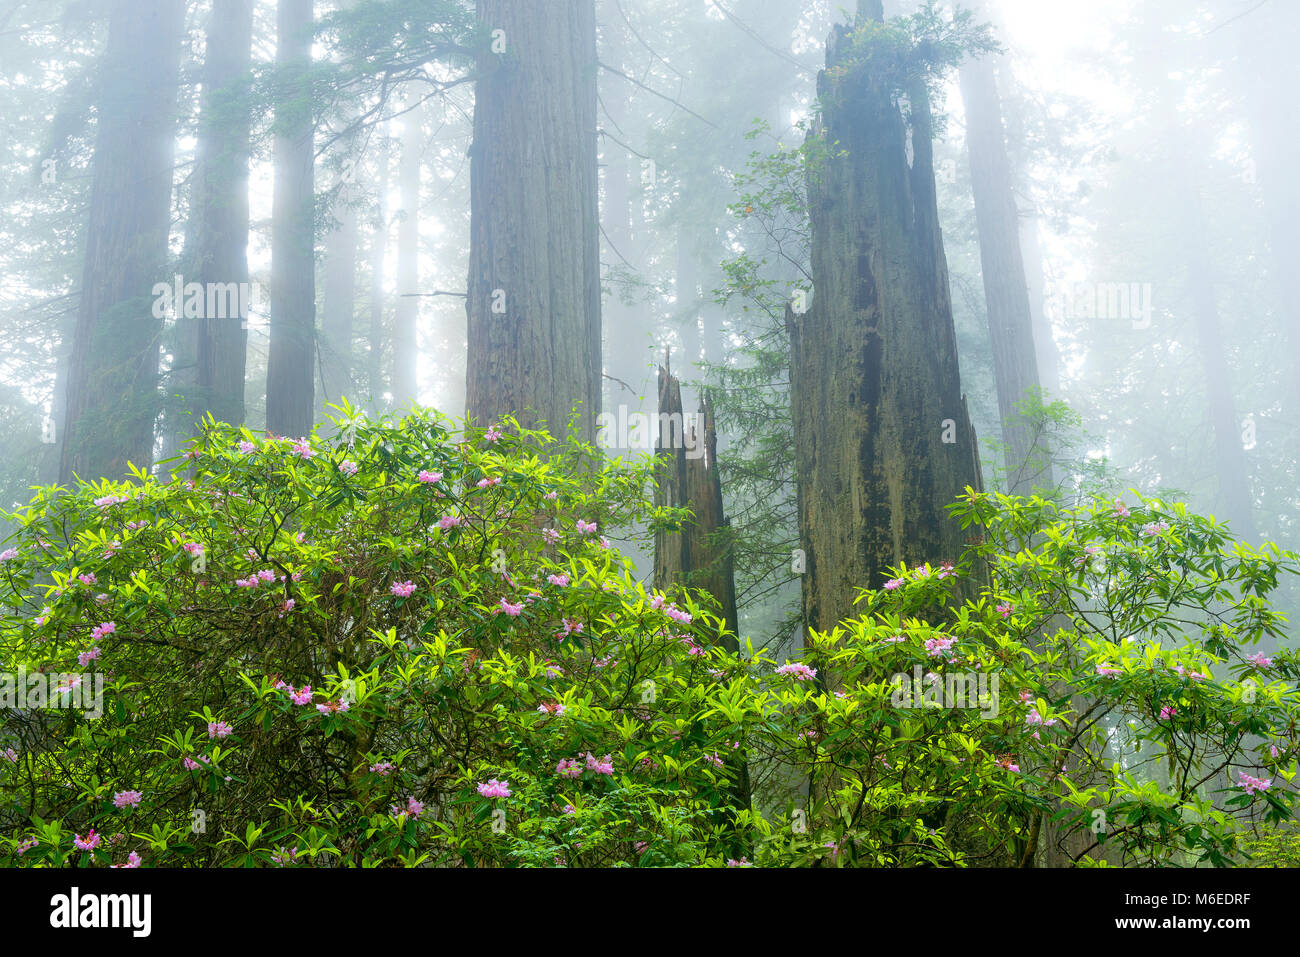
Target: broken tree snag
{"points": [[883, 442], [700, 554]]}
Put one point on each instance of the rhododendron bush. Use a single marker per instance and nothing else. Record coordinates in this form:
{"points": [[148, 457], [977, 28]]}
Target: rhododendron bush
{"points": [[414, 645]]}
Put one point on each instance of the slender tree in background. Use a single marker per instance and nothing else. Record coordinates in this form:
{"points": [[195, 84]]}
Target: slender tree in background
{"points": [[340, 305], [883, 442], [112, 398], [1006, 292], [378, 246], [290, 358], [220, 206], [533, 301], [405, 332]]}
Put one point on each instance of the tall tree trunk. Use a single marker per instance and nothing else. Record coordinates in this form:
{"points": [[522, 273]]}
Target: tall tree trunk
{"points": [[405, 335], [112, 399], [221, 236], [883, 442], [1006, 293], [290, 356], [534, 237], [340, 307], [379, 243]]}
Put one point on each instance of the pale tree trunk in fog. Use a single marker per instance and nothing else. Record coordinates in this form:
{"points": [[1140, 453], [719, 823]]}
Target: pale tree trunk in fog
{"points": [[1269, 77], [405, 334], [340, 306], [291, 355], [379, 243], [221, 236], [1006, 293], [688, 303], [112, 397], [883, 442], [534, 238]]}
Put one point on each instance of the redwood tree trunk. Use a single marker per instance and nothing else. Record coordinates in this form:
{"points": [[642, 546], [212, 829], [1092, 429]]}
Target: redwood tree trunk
{"points": [[379, 242], [112, 398], [222, 235], [340, 305], [1006, 293], [874, 376], [405, 343], [534, 249], [290, 357]]}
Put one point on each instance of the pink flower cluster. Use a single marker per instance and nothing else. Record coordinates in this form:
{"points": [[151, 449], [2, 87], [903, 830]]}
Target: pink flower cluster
{"points": [[798, 671], [403, 589], [219, 729], [429, 478], [494, 789], [333, 707], [935, 647], [1252, 785], [127, 798]]}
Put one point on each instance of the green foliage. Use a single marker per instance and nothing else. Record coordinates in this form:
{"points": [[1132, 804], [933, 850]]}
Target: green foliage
{"points": [[463, 629]]}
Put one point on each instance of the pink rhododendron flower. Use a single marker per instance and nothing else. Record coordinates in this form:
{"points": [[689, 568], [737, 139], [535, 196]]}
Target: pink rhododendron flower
{"points": [[303, 450], [605, 766], [246, 447], [1155, 528], [99, 631], [219, 729], [1108, 671], [561, 580], [742, 862], [491, 435], [382, 768], [348, 467], [88, 579], [1167, 712], [488, 482], [1120, 510], [677, 615], [132, 860], [190, 763], [935, 647], [551, 707], [27, 845], [494, 789], [1260, 660], [798, 671], [402, 589], [193, 548], [8, 553], [266, 575], [551, 496], [946, 569], [300, 697], [569, 769], [428, 478], [127, 798], [450, 521], [893, 583], [512, 610], [551, 535], [1252, 785], [1005, 609], [89, 843], [585, 528], [86, 657], [333, 707], [10, 755]]}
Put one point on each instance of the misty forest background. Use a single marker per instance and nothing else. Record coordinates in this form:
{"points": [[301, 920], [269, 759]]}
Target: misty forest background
{"points": [[888, 254]]}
